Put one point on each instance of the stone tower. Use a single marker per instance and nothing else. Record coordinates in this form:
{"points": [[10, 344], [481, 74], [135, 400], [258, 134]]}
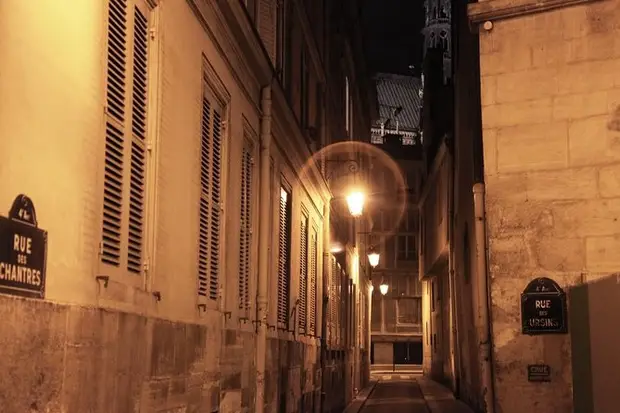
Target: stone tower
{"points": [[437, 32]]}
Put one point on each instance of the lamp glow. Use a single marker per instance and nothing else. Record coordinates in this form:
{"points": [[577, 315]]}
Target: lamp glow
{"points": [[384, 288], [355, 202], [373, 258], [336, 248]]}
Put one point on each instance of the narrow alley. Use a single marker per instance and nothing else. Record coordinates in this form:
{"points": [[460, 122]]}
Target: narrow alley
{"points": [[402, 392]]}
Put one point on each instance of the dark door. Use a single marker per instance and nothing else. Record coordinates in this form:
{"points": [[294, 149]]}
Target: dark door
{"points": [[409, 352], [372, 353]]}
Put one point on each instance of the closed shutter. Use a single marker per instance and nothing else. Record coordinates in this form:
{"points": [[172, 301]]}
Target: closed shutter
{"points": [[138, 143], [124, 185], [284, 258], [245, 223], [210, 199], [312, 284], [333, 306], [303, 274]]}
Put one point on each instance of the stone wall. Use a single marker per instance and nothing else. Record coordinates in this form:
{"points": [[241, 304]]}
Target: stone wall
{"points": [[551, 111], [78, 359]]}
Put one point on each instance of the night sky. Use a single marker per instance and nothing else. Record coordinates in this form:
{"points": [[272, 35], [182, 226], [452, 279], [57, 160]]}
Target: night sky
{"points": [[392, 39]]}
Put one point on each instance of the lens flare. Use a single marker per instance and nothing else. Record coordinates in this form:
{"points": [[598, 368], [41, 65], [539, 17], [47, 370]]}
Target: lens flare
{"points": [[366, 181]]}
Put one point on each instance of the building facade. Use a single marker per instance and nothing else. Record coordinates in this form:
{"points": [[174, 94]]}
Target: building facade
{"points": [[550, 121], [187, 265], [396, 321], [527, 200]]}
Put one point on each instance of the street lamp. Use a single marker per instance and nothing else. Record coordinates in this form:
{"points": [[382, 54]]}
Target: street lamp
{"points": [[383, 288], [355, 202], [373, 258]]}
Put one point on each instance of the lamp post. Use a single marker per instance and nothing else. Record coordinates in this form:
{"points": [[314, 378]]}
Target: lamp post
{"points": [[383, 288], [355, 202], [373, 257]]}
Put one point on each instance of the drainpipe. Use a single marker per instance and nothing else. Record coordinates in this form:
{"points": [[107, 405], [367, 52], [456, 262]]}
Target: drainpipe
{"points": [[326, 267], [454, 325], [264, 252], [483, 326]]}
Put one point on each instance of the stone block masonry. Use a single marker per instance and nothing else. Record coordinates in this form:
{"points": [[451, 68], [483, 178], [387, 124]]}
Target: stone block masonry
{"points": [[550, 89], [60, 358]]}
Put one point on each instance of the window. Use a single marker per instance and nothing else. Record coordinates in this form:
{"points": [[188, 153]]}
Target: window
{"points": [[288, 55], [210, 197], [126, 122], [284, 248], [303, 273], [314, 240], [406, 248], [347, 107], [245, 224], [409, 310], [304, 91], [281, 36]]}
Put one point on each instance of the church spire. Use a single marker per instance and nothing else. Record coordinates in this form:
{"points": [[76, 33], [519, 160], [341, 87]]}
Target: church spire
{"points": [[437, 33]]}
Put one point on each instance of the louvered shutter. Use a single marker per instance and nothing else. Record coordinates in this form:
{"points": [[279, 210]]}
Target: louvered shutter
{"points": [[283, 258], [332, 300], [205, 178], [138, 143], [245, 227], [216, 200], [312, 283], [124, 186], [303, 274], [210, 199]]}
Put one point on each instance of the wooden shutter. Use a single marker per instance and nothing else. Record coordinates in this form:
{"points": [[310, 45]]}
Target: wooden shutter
{"points": [[124, 186], [216, 206], [210, 199], [205, 178], [138, 142], [303, 274], [245, 224], [312, 284], [333, 304], [284, 258]]}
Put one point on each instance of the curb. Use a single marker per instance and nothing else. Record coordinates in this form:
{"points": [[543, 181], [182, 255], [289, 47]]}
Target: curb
{"points": [[360, 400]]}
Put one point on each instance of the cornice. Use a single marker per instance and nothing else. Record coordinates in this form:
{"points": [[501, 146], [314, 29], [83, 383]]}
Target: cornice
{"points": [[495, 10]]}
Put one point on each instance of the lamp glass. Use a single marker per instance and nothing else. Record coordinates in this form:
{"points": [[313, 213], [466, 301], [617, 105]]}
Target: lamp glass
{"points": [[384, 288], [355, 202], [373, 258]]}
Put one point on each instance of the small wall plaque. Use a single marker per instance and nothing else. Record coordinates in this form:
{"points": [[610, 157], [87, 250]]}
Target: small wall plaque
{"points": [[538, 373], [543, 308]]}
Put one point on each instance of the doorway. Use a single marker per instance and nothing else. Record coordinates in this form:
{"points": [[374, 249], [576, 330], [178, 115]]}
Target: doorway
{"points": [[408, 352]]}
